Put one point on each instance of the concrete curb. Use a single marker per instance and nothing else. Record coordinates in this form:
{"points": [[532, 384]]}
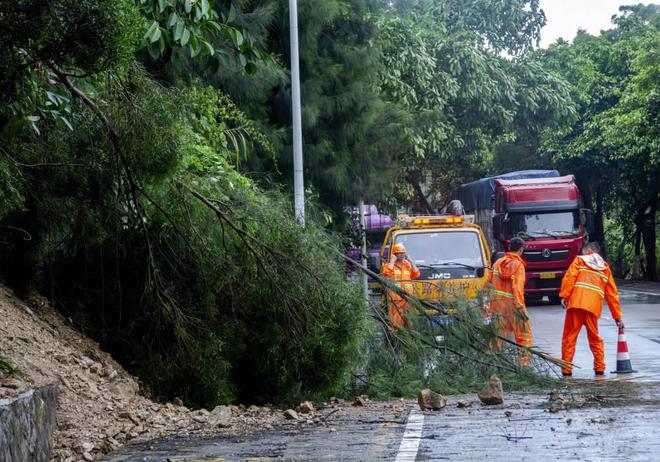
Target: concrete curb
{"points": [[26, 425]]}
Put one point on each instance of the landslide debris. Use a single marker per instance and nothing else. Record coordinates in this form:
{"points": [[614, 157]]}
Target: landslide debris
{"points": [[101, 406]]}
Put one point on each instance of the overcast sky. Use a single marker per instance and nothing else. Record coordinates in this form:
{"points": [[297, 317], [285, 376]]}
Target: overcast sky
{"points": [[565, 17]]}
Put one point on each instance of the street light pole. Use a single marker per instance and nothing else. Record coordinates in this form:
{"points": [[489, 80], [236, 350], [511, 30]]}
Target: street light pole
{"points": [[298, 184], [363, 252]]}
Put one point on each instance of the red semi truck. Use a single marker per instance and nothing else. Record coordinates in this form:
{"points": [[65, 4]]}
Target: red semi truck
{"points": [[541, 207]]}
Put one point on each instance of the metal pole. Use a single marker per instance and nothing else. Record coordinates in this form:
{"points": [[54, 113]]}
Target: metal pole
{"points": [[363, 252], [298, 185]]}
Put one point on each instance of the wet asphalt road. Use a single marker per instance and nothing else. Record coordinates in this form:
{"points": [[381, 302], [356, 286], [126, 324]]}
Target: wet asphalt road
{"points": [[641, 316], [598, 432]]}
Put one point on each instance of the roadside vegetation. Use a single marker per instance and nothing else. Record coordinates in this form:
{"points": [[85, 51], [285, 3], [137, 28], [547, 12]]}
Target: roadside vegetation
{"points": [[145, 171]]}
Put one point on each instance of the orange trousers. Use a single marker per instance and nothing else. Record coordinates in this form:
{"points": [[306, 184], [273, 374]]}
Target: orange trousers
{"points": [[398, 309], [575, 319], [516, 323]]}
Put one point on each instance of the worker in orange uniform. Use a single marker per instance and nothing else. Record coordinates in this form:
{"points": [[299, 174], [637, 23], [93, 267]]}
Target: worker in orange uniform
{"points": [[507, 298], [587, 282], [400, 269]]}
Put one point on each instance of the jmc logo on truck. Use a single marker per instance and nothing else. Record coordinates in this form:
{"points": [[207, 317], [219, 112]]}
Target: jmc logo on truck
{"points": [[450, 251]]}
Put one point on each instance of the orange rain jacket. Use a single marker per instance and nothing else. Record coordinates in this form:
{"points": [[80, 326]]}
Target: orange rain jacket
{"points": [[587, 282], [401, 273], [507, 284], [507, 301]]}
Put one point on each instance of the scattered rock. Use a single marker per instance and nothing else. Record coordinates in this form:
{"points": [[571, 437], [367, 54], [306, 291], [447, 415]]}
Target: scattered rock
{"points": [[12, 383], [96, 368], [429, 400], [555, 396], [492, 392], [508, 413], [101, 407], [114, 444], [62, 358], [569, 421], [220, 417], [463, 403], [110, 372], [602, 421], [290, 414], [305, 407], [360, 401], [87, 446], [557, 406]]}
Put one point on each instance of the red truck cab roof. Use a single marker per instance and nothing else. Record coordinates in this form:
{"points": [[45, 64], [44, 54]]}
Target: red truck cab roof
{"points": [[537, 194]]}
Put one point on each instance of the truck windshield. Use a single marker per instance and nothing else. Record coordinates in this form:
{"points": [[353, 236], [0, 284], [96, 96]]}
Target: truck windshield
{"points": [[555, 224], [459, 248]]}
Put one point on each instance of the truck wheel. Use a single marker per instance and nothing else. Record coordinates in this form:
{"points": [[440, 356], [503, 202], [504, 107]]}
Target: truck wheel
{"points": [[554, 299]]}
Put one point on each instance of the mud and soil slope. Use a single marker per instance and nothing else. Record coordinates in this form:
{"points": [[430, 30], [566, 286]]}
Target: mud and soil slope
{"points": [[100, 405]]}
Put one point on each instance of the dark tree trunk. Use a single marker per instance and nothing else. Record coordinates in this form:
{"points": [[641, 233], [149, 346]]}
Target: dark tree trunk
{"points": [[638, 244], [648, 236], [416, 181], [585, 192], [599, 227]]}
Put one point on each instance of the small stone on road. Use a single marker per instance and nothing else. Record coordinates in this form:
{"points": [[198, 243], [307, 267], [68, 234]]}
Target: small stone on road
{"points": [[492, 392]]}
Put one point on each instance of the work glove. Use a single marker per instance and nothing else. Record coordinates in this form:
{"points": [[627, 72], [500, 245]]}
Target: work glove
{"points": [[563, 303], [619, 323]]}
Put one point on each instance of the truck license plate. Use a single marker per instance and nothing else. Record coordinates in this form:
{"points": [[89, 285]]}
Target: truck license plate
{"points": [[547, 275]]}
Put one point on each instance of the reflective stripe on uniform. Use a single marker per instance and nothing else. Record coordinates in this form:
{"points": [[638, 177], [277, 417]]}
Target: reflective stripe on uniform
{"points": [[584, 268], [590, 287], [503, 294]]}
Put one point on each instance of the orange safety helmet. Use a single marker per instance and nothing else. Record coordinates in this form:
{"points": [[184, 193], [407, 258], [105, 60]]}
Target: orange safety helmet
{"points": [[399, 248]]}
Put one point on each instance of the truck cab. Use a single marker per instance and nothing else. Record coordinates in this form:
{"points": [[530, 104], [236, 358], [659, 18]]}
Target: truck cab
{"points": [[546, 214], [451, 253]]}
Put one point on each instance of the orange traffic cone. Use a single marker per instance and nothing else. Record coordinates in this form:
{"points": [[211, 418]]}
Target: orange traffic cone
{"points": [[623, 365]]}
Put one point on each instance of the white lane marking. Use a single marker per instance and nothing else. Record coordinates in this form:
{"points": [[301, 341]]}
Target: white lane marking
{"points": [[411, 437]]}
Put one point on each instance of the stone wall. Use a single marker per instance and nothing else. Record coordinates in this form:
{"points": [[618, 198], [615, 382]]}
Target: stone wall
{"points": [[26, 424]]}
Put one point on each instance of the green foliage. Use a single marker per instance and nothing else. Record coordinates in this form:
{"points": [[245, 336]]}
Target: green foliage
{"points": [[441, 65], [127, 126], [199, 30], [448, 359], [200, 304], [351, 135], [8, 368], [11, 197], [85, 37], [613, 143], [237, 133]]}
